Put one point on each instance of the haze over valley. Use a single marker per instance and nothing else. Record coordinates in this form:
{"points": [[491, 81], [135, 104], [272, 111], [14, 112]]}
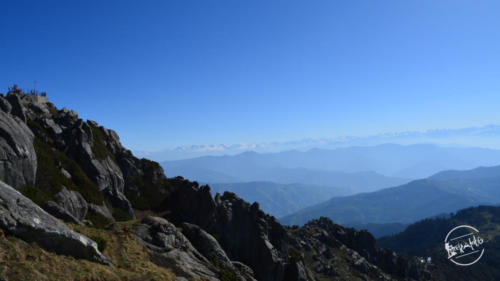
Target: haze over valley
{"points": [[345, 183]]}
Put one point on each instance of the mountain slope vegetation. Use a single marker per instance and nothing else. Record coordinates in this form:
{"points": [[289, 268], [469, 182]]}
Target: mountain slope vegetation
{"points": [[425, 238]]}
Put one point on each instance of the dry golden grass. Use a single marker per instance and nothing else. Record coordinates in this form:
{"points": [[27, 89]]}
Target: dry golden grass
{"points": [[21, 261]]}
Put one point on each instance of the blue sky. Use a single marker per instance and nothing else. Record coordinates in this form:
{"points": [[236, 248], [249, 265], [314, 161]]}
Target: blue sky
{"points": [[170, 73]]}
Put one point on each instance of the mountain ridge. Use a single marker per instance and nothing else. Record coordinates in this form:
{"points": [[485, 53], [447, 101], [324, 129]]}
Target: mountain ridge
{"points": [[462, 137], [443, 192], [425, 238], [79, 172], [280, 199]]}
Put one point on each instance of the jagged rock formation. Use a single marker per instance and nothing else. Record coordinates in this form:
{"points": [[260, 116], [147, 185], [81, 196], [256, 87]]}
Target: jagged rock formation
{"points": [[245, 232], [79, 172], [208, 246], [171, 249], [75, 162], [23, 218], [320, 249], [330, 247]]}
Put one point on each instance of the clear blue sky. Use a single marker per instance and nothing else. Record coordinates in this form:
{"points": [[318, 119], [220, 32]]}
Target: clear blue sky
{"points": [[168, 73]]}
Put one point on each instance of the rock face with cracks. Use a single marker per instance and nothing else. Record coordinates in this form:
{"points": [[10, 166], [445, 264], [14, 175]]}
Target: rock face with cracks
{"points": [[21, 217], [170, 248], [18, 161]]}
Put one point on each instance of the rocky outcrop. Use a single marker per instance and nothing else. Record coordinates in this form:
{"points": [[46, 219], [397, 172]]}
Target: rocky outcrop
{"points": [[102, 211], [332, 245], [73, 202], [59, 212], [5, 105], [18, 160], [92, 147], [17, 108], [37, 106], [208, 246], [320, 249], [89, 149], [250, 236], [21, 217], [245, 232], [170, 248]]}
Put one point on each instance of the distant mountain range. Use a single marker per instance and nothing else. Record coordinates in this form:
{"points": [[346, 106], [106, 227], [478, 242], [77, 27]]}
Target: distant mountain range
{"points": [[280, 199], [252, 166], [485, 136], [286, 182], [390, 160], [444, 192]]}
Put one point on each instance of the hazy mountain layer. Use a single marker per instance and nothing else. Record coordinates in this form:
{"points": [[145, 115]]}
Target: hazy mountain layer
{"points": [[280, 199], [485, 136], [401, 161], [442, 193], [250, 167]]}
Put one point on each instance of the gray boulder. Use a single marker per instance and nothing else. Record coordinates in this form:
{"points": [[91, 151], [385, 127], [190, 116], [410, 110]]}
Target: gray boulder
{"points": [[119, 200], [20, 217], [101, 210], [170, 248], [51, 126], [208, 246], [59, 212], [18, 160], [73, 202]]}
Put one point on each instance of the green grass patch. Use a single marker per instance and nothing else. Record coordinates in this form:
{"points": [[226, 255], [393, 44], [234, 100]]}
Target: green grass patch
{"points": [[27, 261], [98, 220]]}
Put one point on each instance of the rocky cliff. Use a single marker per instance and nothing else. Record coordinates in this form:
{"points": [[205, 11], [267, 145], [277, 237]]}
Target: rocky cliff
{"points": [[78, 172]]}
